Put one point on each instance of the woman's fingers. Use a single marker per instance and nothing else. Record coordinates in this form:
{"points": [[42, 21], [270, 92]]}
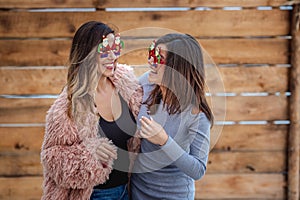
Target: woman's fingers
{"points": [[146, 120], [146, 124], [106, 151], [144, 134], [102, 156]]}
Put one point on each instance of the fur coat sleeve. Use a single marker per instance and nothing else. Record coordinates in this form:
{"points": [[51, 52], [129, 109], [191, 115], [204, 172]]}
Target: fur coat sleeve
{"points": [[68, 152]]}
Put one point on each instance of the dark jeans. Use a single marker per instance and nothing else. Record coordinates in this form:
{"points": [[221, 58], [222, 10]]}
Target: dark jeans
{"points": [[115, 193]]}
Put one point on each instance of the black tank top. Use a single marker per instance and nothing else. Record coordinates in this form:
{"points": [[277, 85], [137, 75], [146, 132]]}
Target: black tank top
{"points": [[118, 131]]}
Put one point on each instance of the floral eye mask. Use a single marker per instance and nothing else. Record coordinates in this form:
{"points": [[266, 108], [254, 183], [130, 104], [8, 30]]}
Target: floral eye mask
{"points": [[104, 48], [155, 54]]}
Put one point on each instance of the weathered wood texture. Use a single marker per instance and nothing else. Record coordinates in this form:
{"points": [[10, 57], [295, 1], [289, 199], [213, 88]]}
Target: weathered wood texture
{"points": [[294, 133], [28, 163], [207, 23], [226, 51], [247, 162], [254, 138], [20, 150], [213, 186], [189, 3], [50, 80], [237, 51], [239, 108], [136, 3], [244, 186]]}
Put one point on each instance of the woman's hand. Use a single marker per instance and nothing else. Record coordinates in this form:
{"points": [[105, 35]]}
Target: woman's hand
{"points": [[153, 131], [106, 151]]}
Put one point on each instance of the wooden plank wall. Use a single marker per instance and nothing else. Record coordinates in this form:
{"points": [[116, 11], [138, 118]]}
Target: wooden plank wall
{"points": [[251, 47]]}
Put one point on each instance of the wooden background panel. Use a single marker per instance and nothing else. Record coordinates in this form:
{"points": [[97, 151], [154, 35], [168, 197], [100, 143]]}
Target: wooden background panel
{"points": [[34, 52], [244, 186], [254, 108], [246, 162], [242, 79], [188, 3], [253, 138], [50, 80], [19, 188], [56, 52], [32, 80], [20, 164], [252, 79], [268, 50], [212, 186], [238, 108], [21, 139], [9, 4], [135, 3], [25, 110], [206, 23], [29, 164], [269, 137], [20, 150]]}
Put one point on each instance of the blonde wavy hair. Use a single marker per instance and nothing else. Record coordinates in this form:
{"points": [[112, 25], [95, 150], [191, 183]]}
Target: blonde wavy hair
{"points": [[83, 74]]}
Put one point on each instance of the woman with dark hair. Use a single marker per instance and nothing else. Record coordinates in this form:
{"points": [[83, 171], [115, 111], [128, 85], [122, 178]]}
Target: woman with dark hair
{"points": [[175, 121], [91, 122]]}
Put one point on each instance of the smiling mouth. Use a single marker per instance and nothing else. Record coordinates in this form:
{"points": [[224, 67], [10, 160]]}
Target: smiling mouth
{"points": [[109, 65]]}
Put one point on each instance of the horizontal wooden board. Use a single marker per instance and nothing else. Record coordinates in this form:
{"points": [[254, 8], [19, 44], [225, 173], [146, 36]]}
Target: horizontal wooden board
{"points": [[248, 186], [21, 139], [135, 3], [251, 79], [10, 4], [24, 110], [238, 108], [34, 52], [22, 164], [32, 80], [50, 80], [247, 162], [212, 186], [25, 164], [250, 150], [270, 137], [214, 23], [241, 79], [20, 188], [237, 51], [189, 3], [254, 108]]}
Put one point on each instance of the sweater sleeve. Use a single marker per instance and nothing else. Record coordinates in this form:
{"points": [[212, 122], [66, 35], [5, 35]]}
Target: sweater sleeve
{"points": [[194, 162]]}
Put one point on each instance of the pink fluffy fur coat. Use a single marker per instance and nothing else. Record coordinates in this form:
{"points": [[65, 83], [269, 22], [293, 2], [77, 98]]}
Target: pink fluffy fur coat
{"points": [[70, 166]]}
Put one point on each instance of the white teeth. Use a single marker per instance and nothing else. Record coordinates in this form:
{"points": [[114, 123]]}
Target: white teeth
{"points": [[109, 65]]}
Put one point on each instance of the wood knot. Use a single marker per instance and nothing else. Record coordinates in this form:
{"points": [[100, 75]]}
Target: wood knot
{"points": [[19, 146]]}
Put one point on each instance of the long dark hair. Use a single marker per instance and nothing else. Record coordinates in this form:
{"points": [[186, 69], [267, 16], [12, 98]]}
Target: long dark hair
{"points": [[184, 76]]}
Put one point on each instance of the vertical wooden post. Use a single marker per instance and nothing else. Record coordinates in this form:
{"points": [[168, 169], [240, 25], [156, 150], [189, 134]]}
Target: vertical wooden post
{"points": [[294, 132]]}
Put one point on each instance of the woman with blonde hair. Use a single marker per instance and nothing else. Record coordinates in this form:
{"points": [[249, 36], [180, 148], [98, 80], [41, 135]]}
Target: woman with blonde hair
{"points": [[91, 122]]}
